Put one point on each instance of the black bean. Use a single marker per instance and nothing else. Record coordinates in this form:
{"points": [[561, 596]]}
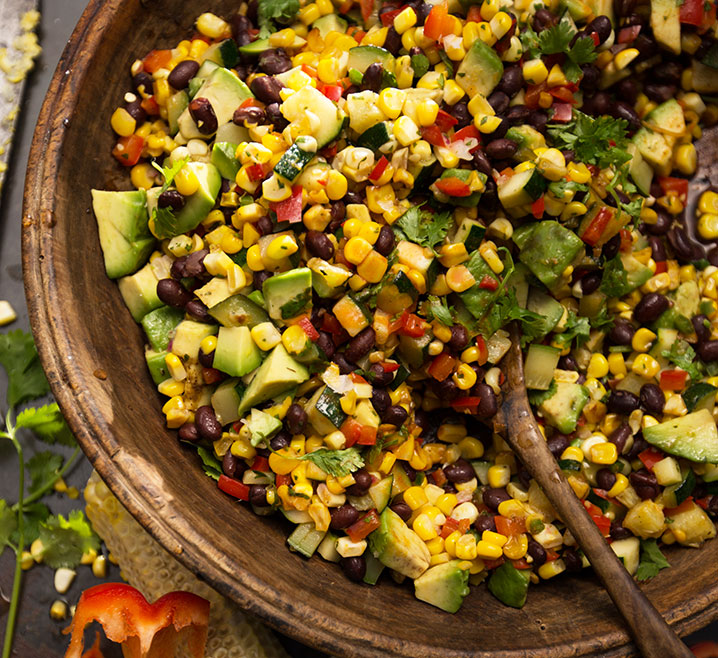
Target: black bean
{"points": [[354, 568], [543, 19], [538, 120], [663, 221], [258, 278], [645, 484], [623, 402], [637, 447], [605, 478], [568, 362], [258, 495], [344, 366], [422, 9], [143, 83], [572, 560], [343, 517], [623, 110], [485, 522], [446, 390], [274, 61], [362, 482], [518, 114], [557, 443], [598, 104], [394, 415], [628, 90], [667, 73], [173, 293], [610, 249], [402, 510], [460, 112], [181, 74], [481, 163], [232, 466], [360, 345], [658, 249], [621, 333], [488, 405], [385, 242], [372, 78], [250, 115], [712, 508], [319, 245], [280, 440], [325, 344], [501, 148], [660, 93], [266, 88], [205, 360], [511, 81], [380, 400], [188, 432], [650, 307], [645, 45], [459, 338], [590, 282], [492, 498], [618, 531], [708, 351], [537, 552], [198, 310], [701, 325], [296, 419], [239, 24], [194, 265], [275, 117], [170, 199], [601, 25], [208, 426], [392, 43], [460, 471], [624, 7], [378, 376], [499, 100], [682, 245], [203, 114], [652, 399], [136, 111]]}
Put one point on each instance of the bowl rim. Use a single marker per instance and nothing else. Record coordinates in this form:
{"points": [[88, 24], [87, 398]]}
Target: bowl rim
{"points": [[86, 420]]}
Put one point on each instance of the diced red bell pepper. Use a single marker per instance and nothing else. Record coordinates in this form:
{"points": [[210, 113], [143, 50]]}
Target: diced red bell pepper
{"points": [[683, 507], [672, 184], [661, 267], [510, 527], [703, 502], [438, 22], [309, 70], [379, 169], [628, 34], [330, 151], [439, 477], [367, 7], [709, 19], [603, 522], [145, 630], [474, 14], [389, 367], [128, 150], [454, 525], [260, 464], [364, 526], [562, 112], [156, 60], [290, 210], [333, 92], [598, 225], [626, 241], [521, 564], [442, 366], [494, 564], [445, 121], [467, 132], [351, 429], [538, 207], [533, 92], [387, 17], [367, 437], [255, 172], [453, 187], [468, 403], [691, 12], [433, 135], [150, 106], [411, 325], [650, 457], [233, 487], [280, 480], [551, 555], [488, 283], [673, 380], [563, 94], [306, 324], [483, 350]]}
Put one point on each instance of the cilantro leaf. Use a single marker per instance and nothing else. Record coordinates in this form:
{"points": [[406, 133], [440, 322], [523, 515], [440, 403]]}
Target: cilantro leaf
{"points": [[169, 173], [42, 469], [683, 355], [8, 523], [423, 227], [506, 309], [577, 328], [530, 42], [336, 462], [33, 516], [537, 398], [557, 39], [439, 310], [652, 560], [420, 64], [211, 464], [26, 379], [47, 423], [614, 282], [64, 541], [163, 221], [269, 11], [602, 320]]}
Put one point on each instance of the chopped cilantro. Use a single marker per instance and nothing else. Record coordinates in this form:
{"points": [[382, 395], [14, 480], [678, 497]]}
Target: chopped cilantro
{"points": [[26, 379], [269, 11], [423, 227], [163, 219], [683, 355], [65, 540], [652, 560], [577, 329], [614, 282], [438, 309], [336, 462], [557, 39], [420, 64]]}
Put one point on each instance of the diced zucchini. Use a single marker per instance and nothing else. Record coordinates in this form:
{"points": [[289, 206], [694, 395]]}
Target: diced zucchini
{"points": [[305, 539], [375, 137], [521, 188], [351, 315], [380, 492], [541, 361], [361, 57], [328, 548], [471, 233], [293, 162], [628, 551]]}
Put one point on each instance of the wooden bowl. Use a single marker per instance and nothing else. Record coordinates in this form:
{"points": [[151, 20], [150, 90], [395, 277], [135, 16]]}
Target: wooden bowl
{"points": [[93, 354]]}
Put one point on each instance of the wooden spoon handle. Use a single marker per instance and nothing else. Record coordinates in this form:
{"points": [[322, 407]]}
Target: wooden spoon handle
{"points": [[650, 631]]}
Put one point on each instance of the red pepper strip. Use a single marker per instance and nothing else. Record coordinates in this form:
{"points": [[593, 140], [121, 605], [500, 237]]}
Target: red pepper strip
{"points": [[453, 525], [150, 106], [128, 150], [367, 6], [686, 505], [453, 187], [379, 169], [671, 184], [389, 367], [233, 487], [438, 22], [468, 403], [563, 94], [538, 207], [488, 283], [598, 225], [442, 366], [709, 19], [367, 437], [705, 649], [466, 133], [279, 480], [351, 429], [290, 210], [142, 628], [702, 502], [474, 14], [309, 329], [357, 379], [521, 564], [562, 112], [483, 350], [650, 457], [661, 267], [156, 60], [510, 527], [692, 12], [387, 18], [367, 524], [603, 523], [411, 325], [333, 92], [445, 121], [260, 464], [628, 34], [433, 135], [673, 380], [255, 172], [626, 241]]}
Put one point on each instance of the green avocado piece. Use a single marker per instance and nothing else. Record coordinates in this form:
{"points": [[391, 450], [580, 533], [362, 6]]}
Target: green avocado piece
{"points": [[188, 335], [139, 290], [238, 311], [278, 373], [398, 547], [563, 409], [262, 426], [665, 21], [224, 159], [550, 249], [693, 437], [527, 138], [236, 353], [547, 307], [288, 294], [159, 325], [510, 585], [157, 366], [480, 70], [444, 585], [225, 401], [125, 238], [330, 23]]}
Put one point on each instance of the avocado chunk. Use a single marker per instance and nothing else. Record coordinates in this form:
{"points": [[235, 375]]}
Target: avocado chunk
{"points": [[667, 118], [224, 159], [288, 294], [238, 311], [550, 249], [125, 238], [225, 401], [225, 92], [157, 366], [262, 426], [188, 335], [331, 117], [510, 585], [139, 290], [236, 353], [547, 307], [278, 373], [398, 547], [480, 70], [330, 23], [693, 437], [563, 409], [444, 585], [665, 21], [159, 325]]}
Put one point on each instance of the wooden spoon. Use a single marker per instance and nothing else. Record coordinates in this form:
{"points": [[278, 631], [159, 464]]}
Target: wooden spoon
{"points": [[650, 632]]}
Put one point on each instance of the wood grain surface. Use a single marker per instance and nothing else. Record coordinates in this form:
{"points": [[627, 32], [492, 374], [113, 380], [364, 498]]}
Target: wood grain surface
{"points": [[81, 326]]}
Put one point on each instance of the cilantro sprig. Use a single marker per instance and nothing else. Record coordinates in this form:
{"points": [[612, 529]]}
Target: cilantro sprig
{"points": [[423, 227], [652, 560], [163, 220], [336, 462], [270, 12]]}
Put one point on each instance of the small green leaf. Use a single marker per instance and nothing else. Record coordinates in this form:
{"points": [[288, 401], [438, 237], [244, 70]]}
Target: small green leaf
{"points": [[26, 379], [65, 541], [42, 469], [48, 424], [652, 560], [8, 523], [336, 462]]}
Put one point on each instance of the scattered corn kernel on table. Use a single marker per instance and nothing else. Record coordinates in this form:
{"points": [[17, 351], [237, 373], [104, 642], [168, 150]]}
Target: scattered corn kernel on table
{"points": [[37, 634]]}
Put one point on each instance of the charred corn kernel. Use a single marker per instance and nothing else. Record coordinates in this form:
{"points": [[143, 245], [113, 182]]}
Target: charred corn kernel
{"points": [[642, 340], [186, 182], [58, 610], [644, 365], [619, 486], [551, 569], [254, 258], [404, 20], [535, 71], [356, 250], [488, 253], [597, 366], [604, 453], [580, 487], [466, 547], [686, 159], [574, 453], [499, 476], [213, 26], [459, 278], [88, 557], [617, 364], [623, 58], [282, 247], [175, 367], [171, 387], [142, 176], [406, 131], [122, 122], [500, 24], [464, 377], [708, 202], [453, 254], [578, 173], [373, 267], [488, 551], [453, 93], [471, 448], [424, 527], [708, 226]]}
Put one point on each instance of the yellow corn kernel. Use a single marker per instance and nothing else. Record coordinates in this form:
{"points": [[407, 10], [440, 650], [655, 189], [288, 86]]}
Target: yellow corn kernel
{"points": [[466, 547], [424, 527], [451, 432], [265, 335], [644, 365], [379, 198], [175, 367], [470, 355], [426, 112], [58, 609], [488, 551], [459, 278], [486, 123], [212, 26], [282, 247], [471, 448], [294, 339], [356, 250], [535, 71], [488, 253], [495, 538], [623, 58], [509, 508], [464, 377], [404, 20], [619, 486], [336, 185], [254, 258], [442, 332], [578, 173], [142, 176], [435, 545], [708, 202], [499, 475], [453, 254], [708, 226], [186, 182], [373, 267], [391, 101], [485, 33], [617, 364], [551, 569], [500, 24], [573, 453], [642, 340], [597, 366], [686, 159], [406, 131], [171, 387], [580, 487], [604, 453], [122, 122], [446, 503]]}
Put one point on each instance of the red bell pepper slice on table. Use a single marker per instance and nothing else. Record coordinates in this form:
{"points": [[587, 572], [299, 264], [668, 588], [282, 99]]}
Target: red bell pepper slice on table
{"points": [[145, 630]]}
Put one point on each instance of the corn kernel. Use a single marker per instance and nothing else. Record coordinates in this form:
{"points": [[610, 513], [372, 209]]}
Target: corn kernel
{"points": [[122, 122], [619, 486], [623, 58], [404, 20], [499, 476], [466, 547], [708, 202], [282, 247], [212, 26], [535, 72], [459, 278], [186, 182], [175, 367], [617, 364], [598, 366], [424, 527], [708, 226], [604, 453], [488, 551], [642, 339], [686, 159], [471, 448], [406, 131], [551, 569], [356, 250], [573, 453], [644, 365], [464, 377]]}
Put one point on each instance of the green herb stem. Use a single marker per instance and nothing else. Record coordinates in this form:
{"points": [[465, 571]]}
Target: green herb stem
{"points": [[41, 492]]}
